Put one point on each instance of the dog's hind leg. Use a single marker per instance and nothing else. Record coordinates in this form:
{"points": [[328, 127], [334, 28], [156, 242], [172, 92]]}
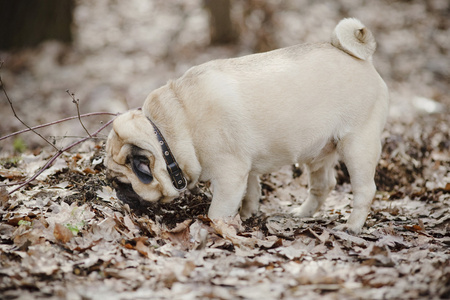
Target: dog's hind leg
{"points": [[321, 181], [360, 153], [250, 204]]}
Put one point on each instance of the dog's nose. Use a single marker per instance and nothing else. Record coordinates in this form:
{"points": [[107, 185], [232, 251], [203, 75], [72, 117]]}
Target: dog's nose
{"points": [[126, 194]]}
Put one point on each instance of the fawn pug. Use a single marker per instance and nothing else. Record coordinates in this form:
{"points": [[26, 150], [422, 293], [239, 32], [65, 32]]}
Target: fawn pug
{"points": [[228, 121]]}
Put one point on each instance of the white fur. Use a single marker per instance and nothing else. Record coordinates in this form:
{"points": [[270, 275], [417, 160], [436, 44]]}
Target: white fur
{"points": [[228, 121], [353, 37]]}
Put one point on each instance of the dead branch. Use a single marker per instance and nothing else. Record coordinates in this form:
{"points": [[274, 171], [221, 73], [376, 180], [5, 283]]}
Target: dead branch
{"points": [[77, 104], [57, 122], [58, 151], [56, 155]]}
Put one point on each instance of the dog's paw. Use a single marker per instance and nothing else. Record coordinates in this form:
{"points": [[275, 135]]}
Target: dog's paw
{"points": [[245, 215], [302, 212], [349, 229]]}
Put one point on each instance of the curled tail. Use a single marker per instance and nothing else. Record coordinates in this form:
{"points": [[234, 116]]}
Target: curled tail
{"points": [[351, 36]]}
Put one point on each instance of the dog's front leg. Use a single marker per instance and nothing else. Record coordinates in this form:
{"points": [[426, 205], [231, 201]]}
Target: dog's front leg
{"points": [[228, 191]]}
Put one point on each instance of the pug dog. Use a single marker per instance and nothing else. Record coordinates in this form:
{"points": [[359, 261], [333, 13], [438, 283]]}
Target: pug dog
{"points": [[228, 121]]}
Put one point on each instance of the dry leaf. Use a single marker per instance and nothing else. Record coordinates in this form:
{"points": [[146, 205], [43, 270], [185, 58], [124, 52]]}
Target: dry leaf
{"points": [[4, 197], [62, 233], [11, 174]]}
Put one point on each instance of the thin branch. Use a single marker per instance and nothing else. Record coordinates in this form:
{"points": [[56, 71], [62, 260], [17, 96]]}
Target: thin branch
{"points": [[15, 114], [64, 137], [77, 104], [57, 122], [58, 154]]}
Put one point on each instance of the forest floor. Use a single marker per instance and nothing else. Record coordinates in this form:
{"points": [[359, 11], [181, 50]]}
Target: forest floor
{"points": [[67, 236]]}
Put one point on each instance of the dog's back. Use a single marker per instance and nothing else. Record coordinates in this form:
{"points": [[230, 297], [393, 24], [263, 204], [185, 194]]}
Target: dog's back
{"points": [[291, 100]]}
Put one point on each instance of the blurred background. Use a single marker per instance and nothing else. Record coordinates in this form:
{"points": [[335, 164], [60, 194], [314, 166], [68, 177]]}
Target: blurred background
{"points": [[112, 53]]}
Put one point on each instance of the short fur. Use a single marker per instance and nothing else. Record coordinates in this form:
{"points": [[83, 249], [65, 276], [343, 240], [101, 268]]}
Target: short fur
{"points": [[228, 121]]}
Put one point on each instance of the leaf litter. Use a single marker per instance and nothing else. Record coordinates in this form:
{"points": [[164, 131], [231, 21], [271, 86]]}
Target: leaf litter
{"points": [[68, 236], [62, 239]]}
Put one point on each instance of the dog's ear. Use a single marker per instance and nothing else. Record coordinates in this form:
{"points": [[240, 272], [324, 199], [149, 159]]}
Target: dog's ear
{"points": [[141, 167]]}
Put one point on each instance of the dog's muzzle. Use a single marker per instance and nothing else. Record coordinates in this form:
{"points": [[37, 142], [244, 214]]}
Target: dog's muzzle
{"points": [[126, 194]]}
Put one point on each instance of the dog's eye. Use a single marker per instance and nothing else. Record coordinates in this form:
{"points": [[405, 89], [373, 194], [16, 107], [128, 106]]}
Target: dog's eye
{"points": [[141, 168]]}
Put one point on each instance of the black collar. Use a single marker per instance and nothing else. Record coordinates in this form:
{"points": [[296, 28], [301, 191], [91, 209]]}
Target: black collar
{"points": [[178, 179]]}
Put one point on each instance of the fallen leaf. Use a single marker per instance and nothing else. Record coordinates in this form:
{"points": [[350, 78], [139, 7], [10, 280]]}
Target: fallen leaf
{"points": [[107, 194], [89, 171], [142, 248], [62, 233], [11, 174], [130, 225], [4, 197]]}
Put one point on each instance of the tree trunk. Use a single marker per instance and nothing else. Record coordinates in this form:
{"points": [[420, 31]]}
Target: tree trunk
{"points": [[25, 23], [221, 26]]}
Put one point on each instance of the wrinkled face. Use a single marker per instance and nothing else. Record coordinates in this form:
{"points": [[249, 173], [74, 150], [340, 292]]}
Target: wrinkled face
{"points": [[135, 164]]}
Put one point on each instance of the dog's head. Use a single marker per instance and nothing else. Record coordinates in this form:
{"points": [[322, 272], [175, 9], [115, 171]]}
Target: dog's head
{"points": [[135, 162]]}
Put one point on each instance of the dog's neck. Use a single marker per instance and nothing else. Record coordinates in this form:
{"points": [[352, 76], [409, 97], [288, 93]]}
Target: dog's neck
{"points": [[171, 123], [175, 172]]}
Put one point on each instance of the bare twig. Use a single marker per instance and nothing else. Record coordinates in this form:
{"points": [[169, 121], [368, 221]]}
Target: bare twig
{"points": [[56, 122], [64, 137], [56, 155], [58, 151], [15, 114], [77, 104]]}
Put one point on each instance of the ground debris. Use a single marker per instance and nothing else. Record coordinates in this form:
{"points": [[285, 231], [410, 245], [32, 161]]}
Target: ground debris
{"points": [[52, 247]]}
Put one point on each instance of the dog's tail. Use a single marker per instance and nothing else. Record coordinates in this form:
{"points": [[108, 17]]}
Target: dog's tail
{"points": [[351, 36]]}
